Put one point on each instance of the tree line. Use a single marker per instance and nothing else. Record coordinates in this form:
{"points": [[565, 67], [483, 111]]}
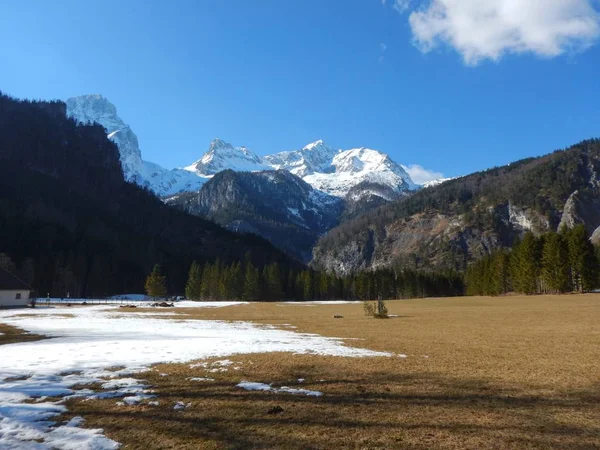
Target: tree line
{"points": [[553, 263], [245, 281]]}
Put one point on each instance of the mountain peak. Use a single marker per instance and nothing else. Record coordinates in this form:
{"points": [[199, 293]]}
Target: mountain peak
{"points": [[217, 144], [222, 155], [313, 145]]}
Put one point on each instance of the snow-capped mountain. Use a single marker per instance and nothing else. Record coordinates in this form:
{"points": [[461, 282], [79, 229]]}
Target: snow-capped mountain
{"points": [[336, 172], [95, 108], [222, 156], [435, 182], [352, 167], [315, 157], [326, 169]]}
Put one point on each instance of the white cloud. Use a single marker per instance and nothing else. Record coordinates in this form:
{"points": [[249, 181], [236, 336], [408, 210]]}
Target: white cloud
{"points": [[382, 49], [489, 29], [398, 5], [421, 175], [401, 5]]}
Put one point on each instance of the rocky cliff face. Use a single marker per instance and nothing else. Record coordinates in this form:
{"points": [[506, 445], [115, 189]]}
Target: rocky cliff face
{"points": [[276, 205], [97, 109]]}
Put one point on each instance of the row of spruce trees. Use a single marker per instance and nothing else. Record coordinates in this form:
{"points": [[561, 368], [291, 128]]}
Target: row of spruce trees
{"points": [[550, 264], [244, 281]]}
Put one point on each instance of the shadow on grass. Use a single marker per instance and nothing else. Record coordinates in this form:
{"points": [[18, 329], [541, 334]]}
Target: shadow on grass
{"points": [[385, 411]]}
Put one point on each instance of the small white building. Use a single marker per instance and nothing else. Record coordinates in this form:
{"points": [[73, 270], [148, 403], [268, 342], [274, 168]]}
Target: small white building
{"points": [[13, 291]]}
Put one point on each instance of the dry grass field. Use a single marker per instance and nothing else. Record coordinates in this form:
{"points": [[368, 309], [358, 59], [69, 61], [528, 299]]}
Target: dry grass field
{"points": [[468, 373]]}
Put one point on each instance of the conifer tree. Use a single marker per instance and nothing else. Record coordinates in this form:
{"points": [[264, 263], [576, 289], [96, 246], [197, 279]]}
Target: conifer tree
{"points": [[273, 282], [156, 285], [582, 259], [252, 283], [193, 286], [555, 264], [236, 288], [526, 268]]}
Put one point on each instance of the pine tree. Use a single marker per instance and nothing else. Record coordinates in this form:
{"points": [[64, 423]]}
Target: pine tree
{"points": [[582, 259], [273, 282], [193, 287], [156, 283], [555, 264], [236, 288], [526, 264], [251, 283]]}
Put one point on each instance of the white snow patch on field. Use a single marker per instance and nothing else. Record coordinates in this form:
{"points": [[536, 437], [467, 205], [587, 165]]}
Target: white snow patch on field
{"points": [[90, 340], [252, 386]]}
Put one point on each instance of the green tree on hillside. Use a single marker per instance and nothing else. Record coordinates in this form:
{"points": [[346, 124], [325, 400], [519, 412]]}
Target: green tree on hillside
{"points": [[251, 283], [193, 287], [555, 264], [582, 259], [156, 283], [273, 282], [526, 264]]}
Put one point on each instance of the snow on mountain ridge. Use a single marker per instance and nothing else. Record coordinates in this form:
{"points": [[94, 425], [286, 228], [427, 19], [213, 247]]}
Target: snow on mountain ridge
{"points": [[330, 170], [222, 155], [314, 157], [355, 166], [95, 108]]}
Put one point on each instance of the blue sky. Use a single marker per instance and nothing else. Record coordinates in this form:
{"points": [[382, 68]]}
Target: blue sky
{"points": [[430, 82]]}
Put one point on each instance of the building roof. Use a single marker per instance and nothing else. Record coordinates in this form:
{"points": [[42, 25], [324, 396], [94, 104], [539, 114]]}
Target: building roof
{"points": [[9, 282]]}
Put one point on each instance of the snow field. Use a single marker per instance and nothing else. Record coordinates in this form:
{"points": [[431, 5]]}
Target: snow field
{"points": [[87, 341]]}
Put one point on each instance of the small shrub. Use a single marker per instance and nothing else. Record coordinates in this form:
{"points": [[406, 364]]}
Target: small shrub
{"points": [[376, 309], [382, 312]]}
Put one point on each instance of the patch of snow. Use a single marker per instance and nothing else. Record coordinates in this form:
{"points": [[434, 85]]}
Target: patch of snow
{"points": [[93, 339], [437, 182], [201, 379], [181, 405], [252, 386]]}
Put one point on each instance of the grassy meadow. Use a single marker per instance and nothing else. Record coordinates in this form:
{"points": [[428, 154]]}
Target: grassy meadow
{"points": [[467, 373]]}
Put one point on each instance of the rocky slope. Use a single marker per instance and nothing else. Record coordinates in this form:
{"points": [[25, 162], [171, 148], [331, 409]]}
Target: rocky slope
{"points": [[453, 223], [97, 109], [276, 205]]}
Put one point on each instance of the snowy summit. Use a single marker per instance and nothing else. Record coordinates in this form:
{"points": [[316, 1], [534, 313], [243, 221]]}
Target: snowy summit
{"points": [[333, 171]]}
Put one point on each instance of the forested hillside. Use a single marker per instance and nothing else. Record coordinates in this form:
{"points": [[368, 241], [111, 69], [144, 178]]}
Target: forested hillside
{"points": [[276, 205], [72, 224], [554, 263], [462, 220]]}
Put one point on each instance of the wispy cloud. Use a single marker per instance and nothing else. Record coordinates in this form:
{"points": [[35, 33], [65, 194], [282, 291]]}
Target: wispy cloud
{"points": [[398, 5], [401, 5], [489, 29], [382, 49], [421, 175]]}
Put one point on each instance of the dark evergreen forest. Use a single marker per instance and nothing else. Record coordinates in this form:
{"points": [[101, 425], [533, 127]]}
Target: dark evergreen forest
{"points": [[70, 223], [553, 263]]}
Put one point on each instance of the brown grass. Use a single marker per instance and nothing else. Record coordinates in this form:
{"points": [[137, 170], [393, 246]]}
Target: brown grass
{"points": [[12, 335], [509, 373]]}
